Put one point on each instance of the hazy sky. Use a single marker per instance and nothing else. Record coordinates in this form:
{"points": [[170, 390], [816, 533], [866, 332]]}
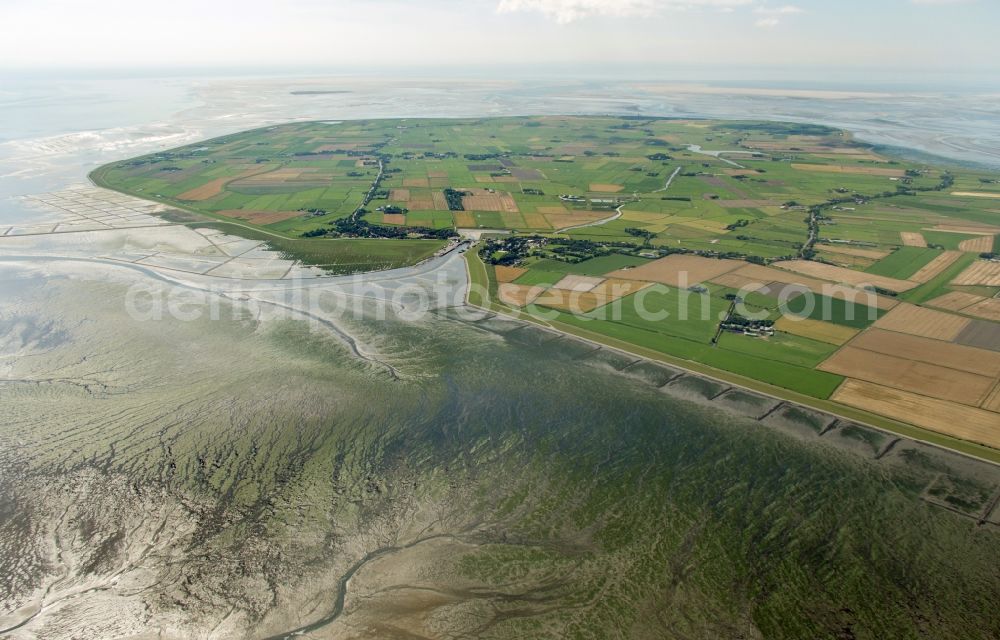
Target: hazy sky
{"points": [[341, 34]]}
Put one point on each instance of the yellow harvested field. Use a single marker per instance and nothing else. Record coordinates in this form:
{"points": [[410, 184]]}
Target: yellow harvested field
{"points": [[712, 226], [508, 274], [975, 194], [585, 302], [439, 200], [437, 174], [573, 282], [553, 210], [486, 200], [918, 321], [767, 275], [934, 268], [982, 244], [912, 239], [679, 270], [572, 219], [955, 301], [946, 354], [399, 195], [992, 402], [422, 203], [909, 375], [864, 171], [465, 220], [536, 221], [512, 220], [614, 288], [842, 154], [643, 216], [981, 272], [975, 228], [606, 188], [848, 262], [742, 283], [394, 218], [827, 332], [519, 295], [205, 191], [951, 418], [874, 254], [415, 182], [844, 276], [495, 179], [988, 309]]}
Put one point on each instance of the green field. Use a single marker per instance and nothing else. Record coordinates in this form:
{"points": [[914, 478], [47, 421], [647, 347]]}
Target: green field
{"points": [[903, 262], [321, 192], [340, 255]]}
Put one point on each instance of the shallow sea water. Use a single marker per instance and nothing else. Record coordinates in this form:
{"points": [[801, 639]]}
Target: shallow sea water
{"points": [[197, 456]]}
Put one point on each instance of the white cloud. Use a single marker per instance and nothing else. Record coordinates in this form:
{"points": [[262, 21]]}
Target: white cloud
{"points": [[778, 11], [772, 15], [564, 11]]}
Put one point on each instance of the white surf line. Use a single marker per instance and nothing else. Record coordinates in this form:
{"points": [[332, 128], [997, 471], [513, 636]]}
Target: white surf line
{"points": [[670, 180]]}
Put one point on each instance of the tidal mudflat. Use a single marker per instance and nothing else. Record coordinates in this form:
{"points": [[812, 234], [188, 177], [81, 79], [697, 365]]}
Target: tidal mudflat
{"points": [[273, 455]]}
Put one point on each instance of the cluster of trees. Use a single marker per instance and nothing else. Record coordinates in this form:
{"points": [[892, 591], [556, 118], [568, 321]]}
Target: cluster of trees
{"points": [[576, 251], [357, 228], [454, 198], [508, 250], [816, 211], [479, 157], [646, 235], [743, 321]]}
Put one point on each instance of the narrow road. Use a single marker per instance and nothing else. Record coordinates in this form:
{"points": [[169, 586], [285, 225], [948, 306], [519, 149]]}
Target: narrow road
{"points": [[696, 148], [618, 214], [618, 211], [670, 180], [371, 192]]}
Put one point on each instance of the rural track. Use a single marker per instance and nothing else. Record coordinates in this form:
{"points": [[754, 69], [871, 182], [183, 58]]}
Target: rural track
{"points": [[618, 214], [670, 180], [618, 211]]}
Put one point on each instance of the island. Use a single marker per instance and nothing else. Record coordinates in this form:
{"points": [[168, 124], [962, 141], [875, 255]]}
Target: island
{"points": [[788, 258]]}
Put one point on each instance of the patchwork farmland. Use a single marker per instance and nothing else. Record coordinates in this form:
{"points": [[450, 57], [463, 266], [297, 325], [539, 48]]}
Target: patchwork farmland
{"points": [[795, 257]]}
